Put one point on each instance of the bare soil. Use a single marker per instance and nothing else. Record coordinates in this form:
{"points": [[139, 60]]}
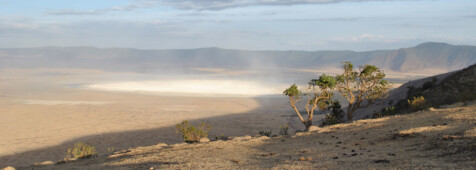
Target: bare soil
{"points": [[437, 138]]}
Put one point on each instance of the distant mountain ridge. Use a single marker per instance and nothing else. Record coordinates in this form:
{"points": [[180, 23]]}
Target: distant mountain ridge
{"points": [[439, 57]]}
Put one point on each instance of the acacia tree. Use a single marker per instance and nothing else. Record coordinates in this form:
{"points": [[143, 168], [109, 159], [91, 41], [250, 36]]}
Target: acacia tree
{"points": [[320, 96], [365, 84]]}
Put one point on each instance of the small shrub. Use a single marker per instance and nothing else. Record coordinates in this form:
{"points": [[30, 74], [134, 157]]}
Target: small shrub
{"points": [[283, 130], [417, 103], [265, 133], [388, 111], [191, 133], [336, 115], [221, 137], [329, 120], [81, 150]]}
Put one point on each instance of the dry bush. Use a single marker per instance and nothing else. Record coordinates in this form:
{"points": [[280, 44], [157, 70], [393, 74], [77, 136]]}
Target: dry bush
{"points": [[81, 150], [283, 130], [265, 133], [191, 133], [388, 111], [417, 103]]}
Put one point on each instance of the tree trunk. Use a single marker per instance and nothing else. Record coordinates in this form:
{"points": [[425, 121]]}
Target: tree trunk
{"points": [[307, 124], [350, 115]]}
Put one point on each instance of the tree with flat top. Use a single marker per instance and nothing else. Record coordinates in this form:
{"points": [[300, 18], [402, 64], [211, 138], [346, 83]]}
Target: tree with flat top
{"points": [[318, 98], [362, 87]]}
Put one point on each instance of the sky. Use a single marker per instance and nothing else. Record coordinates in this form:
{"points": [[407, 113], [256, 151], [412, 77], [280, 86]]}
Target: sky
{"points": [[311, 25]]}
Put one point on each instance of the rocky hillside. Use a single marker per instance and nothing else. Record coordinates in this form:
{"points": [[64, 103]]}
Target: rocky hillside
{"points": [[457, 87], [447, 88], [442, 138]]}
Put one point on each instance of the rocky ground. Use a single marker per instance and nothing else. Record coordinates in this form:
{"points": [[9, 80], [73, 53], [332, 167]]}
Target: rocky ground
{"points": [[442, 138]]}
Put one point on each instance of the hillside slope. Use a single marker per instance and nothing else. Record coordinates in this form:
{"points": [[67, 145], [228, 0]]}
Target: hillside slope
{"points": [[423, 58], [457, 87], [447, 88], [441, 138]]}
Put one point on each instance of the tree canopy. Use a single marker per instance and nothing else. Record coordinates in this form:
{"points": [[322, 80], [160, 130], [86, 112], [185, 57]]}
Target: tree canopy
{"points": [[320, 95], [361, 87]]}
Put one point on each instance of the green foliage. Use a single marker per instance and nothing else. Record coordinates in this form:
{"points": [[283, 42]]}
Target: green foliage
{"points": [[336, 109], [349, 73], [319, 99], [330, 120], [365, 84], [388, 111], [191, 133], [283, 129], [324, 82], [336, 115], [417, 103], [81, 150], [368, 70], [292, 91], [323, 104], [265, 133]]}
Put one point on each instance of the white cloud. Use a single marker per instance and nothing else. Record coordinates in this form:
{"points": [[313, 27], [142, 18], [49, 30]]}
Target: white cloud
{"points": [[135, 5], [225, 4], [201, 5], [77, 12]]}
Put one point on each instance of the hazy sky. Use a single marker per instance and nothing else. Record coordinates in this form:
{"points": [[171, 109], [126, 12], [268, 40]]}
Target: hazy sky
{"points": [[237, 24]]}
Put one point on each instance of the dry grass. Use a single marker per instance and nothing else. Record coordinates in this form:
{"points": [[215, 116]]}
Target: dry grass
{"points": [[443, 139]]}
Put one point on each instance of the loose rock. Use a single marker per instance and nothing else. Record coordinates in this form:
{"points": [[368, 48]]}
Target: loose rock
{"points": [[313, 129], [44, 163], [204, 140], [9, 168], [242, 138]]}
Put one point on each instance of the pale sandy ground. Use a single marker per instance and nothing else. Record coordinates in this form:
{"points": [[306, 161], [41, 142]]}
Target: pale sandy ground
{"points": [[435, 139], [40, 121]]}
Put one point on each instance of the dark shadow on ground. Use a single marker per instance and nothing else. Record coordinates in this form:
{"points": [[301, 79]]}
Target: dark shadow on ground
{"points": [[379, 143], [136, 138]]}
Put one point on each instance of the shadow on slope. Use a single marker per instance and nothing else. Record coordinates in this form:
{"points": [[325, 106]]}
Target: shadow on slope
{"points": [[442, 138], [265, 117]]}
